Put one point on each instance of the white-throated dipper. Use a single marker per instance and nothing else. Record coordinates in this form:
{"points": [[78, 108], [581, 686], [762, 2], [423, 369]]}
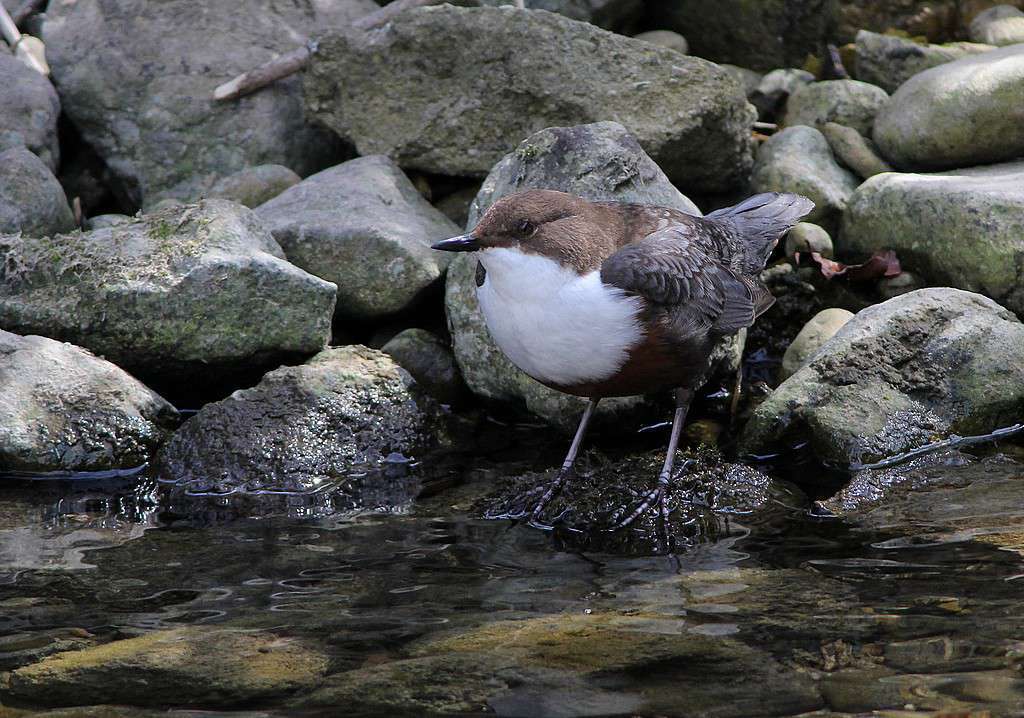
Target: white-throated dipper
{"points": [[603, 299]]}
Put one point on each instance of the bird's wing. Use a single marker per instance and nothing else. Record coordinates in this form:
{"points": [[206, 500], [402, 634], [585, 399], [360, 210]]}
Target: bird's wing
{"points": [[700, 293]]}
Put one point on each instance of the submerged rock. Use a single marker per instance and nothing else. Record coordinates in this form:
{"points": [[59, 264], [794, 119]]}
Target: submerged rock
{"points": [[888, 60], [253, 186], [31, 199], [963, 228], [999, 25], [847, 102], [899, 374], [964, 113], [61, 408], [138, 85], [363, 226], [301, 427], [430, 362], [447, 116], [196, 666], [28, 111], [194, 291]]}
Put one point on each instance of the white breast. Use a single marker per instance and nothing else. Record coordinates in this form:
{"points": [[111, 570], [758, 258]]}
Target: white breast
{"points": [[554, 324]]}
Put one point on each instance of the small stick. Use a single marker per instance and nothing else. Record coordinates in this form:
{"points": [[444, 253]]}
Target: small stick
{"points": [[952, 442]]}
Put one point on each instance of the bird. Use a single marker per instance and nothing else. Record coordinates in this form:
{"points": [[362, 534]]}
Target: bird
{"points": [[603, 299]]}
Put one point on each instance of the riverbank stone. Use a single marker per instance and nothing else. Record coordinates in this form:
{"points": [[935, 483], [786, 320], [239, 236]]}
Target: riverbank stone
{"points": [[889, 60], [854, 150], [29, 108], [847, 102], [253, 186], [999, 25], [31, 199], [822, 327], [430, 362]]}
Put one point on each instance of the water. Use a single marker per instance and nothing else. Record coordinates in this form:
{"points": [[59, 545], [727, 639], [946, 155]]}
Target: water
{"points": [[418, 608]]}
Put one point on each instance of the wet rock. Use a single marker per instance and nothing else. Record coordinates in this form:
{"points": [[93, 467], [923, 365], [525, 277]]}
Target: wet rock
{"points": [[761, 36], [963, 228], [365, 227], [195, 291], [103, 221], [999, 25], [798, 159], [854, 150], [602, 161], [806, 237], [961, 114], [899, 373], [31, 199], [430, 362], [19, 649], [814, 334], [61, 408], [253, 186], [445, 116], [665, 38], [774, 90], [191, 666], [138, 86], [847, 102], [302, 426], [888, 60], [28, 111], [902, 283]]}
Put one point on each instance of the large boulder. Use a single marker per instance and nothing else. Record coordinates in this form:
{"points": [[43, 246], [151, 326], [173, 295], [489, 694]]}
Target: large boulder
{"points": [[301, 427], [999, 25], [964, 113], [601, 161], [365, 227], [847, 102], [61, 408], [927, 363], [31, 199], [888, 60], [962, 228], [191, 291], [137, 80], [28, 111], [512, 73]]}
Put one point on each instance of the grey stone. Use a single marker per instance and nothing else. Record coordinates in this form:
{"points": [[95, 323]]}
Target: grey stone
{"points": [[999, 25], [814, 334], [806, 237], [61, 408], [927, 363], [105, 220], [964, 113], [195, 290], [137, 81], [963, 228], [889, 287], [665, 38], [888, 61], [31, 199], [365, 227], [774, 89], [449, 116], [28, 111], [750, 80], [854, 150], [798, 159], [456, 205], [430, 362], [617, 15], [302, 426], [253, 186], [848, 102]]}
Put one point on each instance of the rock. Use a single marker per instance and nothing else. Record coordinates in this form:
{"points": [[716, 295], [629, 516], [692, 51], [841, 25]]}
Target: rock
{"points": [[937, 20], [854, 150], [798, 159], [927, 363], [253, 186], [665, 38], [445, 116], [806, 237], [902, 283], [602, 161], [762, 35], [847, 102], [28, 111], [363, 226], [750, 80], [888, 61], [999, 25], [774, 90], [301, 426], [138, 86], [103, 221], [456, 205], [617, 15], [195, 291], [430, 362], [31, 199], [61, 408], [961, 114], [962, 228], [196, 666], [815, 333]]}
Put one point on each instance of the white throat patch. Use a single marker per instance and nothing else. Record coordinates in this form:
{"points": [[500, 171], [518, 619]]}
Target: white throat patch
{"points": [[554, 324]]}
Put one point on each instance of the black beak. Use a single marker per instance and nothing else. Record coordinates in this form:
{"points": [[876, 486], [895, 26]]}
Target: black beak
{"points": [[462, 243]]}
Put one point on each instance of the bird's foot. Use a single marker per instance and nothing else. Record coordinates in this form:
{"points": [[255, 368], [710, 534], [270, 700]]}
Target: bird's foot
{"points": [[654, 500], [530, 505]]}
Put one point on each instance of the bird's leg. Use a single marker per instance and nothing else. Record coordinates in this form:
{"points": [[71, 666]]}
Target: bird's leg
{"points": [[657, 495], [570, 459]]}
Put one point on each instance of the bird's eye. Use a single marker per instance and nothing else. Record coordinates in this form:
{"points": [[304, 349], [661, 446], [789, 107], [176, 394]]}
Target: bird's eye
{"points": [[526, 227]]}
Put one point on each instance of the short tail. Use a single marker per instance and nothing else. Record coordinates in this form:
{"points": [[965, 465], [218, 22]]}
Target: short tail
{"points": [[760, 221]]}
